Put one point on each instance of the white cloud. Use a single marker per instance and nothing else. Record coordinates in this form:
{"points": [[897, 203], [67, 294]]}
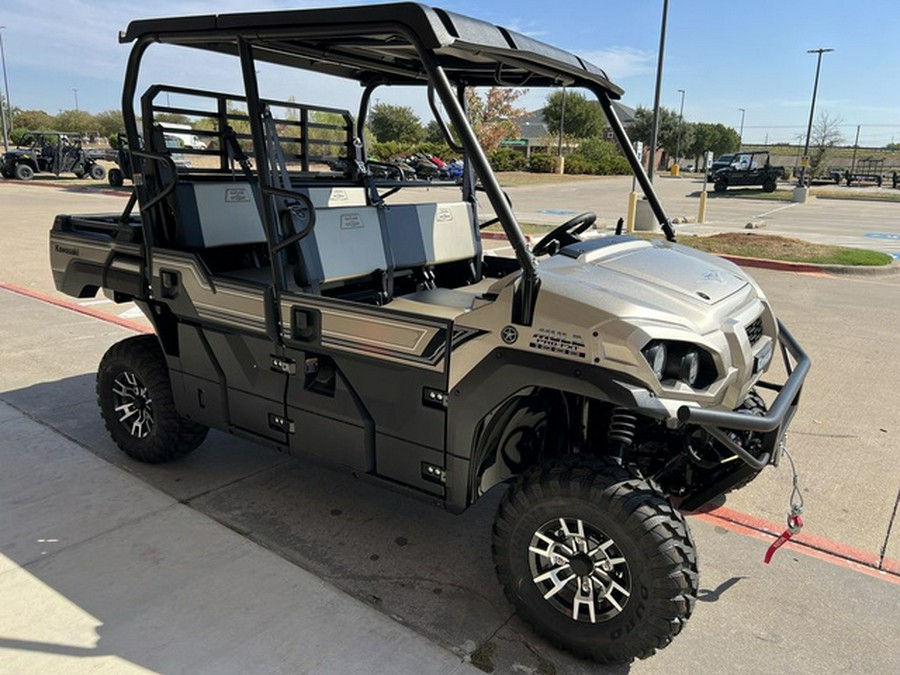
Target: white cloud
{"points": [[621, 62]]}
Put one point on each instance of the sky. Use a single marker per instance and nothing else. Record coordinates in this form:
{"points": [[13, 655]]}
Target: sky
{"points": [[725, 54]]}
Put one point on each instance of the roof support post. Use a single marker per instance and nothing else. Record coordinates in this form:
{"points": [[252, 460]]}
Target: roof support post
{"points": [[631, 156], [527, 289]]}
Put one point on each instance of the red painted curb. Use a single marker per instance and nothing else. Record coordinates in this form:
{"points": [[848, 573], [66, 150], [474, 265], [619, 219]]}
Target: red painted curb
{"points": [[87, 311], [500, 235], [87, 189], [780, 265], [809, 541]]}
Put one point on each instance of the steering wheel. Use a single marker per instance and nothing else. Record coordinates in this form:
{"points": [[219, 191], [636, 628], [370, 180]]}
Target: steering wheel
{"points": [[565, 234]]}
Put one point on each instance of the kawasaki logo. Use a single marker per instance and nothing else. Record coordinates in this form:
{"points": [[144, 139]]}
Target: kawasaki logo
{"points": [[68, 250]]}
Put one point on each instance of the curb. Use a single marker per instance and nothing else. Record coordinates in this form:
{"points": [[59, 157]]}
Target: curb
{"points": [[501, 236], [812, 268]]}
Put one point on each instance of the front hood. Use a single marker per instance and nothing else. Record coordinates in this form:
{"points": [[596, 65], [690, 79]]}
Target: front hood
{"points": [[648, 273]]}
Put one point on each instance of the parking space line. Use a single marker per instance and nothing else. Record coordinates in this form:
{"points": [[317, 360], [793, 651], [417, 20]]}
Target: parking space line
{"points": [[832, 552], [780, 208]]}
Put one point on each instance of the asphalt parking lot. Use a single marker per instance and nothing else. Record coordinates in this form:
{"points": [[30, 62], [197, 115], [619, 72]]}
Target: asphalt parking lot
{"points": [[826, 606]]}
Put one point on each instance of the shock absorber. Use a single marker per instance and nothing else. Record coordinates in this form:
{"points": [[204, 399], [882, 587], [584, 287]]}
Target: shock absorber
{"points": [[620, 435]]}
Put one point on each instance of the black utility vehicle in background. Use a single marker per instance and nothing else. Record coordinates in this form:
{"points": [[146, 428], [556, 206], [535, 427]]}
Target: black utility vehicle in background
{"points": [[748, 168], [307, 300], [49, 152]]}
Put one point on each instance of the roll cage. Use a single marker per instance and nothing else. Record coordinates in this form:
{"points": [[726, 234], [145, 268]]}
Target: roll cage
{"points": [[392, 44]]}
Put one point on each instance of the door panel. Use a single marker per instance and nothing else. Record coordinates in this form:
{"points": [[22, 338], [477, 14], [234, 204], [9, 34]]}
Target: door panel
{"points": [[381, 371]]}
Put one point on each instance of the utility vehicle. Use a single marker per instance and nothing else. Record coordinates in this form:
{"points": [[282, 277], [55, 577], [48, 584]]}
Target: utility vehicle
{"points": [[599, 382], [49, 152], [748, 168]]}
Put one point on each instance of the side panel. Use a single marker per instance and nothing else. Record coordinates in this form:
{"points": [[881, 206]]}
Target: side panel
{"points": [[375, 378], [224, 342]]}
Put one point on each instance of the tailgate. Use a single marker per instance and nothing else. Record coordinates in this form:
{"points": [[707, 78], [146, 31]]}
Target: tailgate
{"points": [[92, 252]]}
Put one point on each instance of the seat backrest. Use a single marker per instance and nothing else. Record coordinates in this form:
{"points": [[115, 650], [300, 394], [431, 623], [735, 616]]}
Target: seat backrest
{"points": [[217, 214], [346, 243], [431, 234]]}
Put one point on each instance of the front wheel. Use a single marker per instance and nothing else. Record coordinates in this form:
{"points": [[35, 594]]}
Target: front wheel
{"points": [[769, 185], [137, 406], [24, 172], [597, 560]]}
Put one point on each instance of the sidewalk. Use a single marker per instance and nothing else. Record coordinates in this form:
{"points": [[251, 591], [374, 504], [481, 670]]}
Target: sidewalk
{"points": [[100, 572]]}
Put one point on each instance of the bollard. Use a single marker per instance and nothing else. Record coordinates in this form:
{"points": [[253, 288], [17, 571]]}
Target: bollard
{"points": [[701, 214], [632, 208], [676, 171]]}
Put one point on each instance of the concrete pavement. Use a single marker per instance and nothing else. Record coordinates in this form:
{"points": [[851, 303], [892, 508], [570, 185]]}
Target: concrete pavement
{"points": [[239, 559]]}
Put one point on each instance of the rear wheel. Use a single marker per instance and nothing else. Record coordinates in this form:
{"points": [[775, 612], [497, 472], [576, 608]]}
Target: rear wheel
{"points": [[720, 185], [769, 185], [97, 172], [597, 560], [136, 403], [115, 177], [24, 172]]}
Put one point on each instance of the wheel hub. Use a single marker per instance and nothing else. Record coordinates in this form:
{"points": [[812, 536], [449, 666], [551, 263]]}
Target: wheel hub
{"points": [[579, 570], [133, 404]]}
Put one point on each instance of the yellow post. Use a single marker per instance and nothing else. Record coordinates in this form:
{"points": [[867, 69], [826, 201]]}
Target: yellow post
{"points": [[632, 209], [676, 170], [701, 215]]}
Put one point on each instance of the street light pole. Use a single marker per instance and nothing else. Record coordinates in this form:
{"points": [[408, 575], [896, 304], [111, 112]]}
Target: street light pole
{"points": [[75, 91], [8, 113], [741, 132], [680, 121], [812, 107], [659, 70]]}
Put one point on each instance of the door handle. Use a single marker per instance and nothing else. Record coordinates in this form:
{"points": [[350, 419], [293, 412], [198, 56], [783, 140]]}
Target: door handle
{"points": [[306, 324]]}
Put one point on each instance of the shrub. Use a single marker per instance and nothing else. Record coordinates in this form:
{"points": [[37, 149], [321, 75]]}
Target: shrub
{"points": [[507, 159], [542, 162], [578, 164]]}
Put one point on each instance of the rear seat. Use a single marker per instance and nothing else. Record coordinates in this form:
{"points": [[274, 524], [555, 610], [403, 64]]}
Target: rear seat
{"points": [[352, 251]]}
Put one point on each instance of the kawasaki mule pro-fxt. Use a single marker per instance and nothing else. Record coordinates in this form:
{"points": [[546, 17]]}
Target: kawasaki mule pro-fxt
{"points": [[305, 303]]}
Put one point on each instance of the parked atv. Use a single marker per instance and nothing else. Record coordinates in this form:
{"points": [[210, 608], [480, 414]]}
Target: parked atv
{"points": [[359, 321], [748, 168], [49, 152]]}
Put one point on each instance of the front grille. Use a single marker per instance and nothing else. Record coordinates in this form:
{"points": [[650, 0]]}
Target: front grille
{"points": [[755, 331]]}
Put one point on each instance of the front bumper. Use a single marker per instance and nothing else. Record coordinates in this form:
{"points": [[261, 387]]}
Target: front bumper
{"points": [[773, 425]]}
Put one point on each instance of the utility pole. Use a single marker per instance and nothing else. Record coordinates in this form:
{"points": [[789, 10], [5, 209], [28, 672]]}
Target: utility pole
{"points": [[812, 108], [7, 124], [741, 132], [680, 121], [659, 70], [75, 91], [562, 124]]}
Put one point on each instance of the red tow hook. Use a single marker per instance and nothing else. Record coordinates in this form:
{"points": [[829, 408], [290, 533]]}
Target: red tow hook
{"points": [[794, 525]]}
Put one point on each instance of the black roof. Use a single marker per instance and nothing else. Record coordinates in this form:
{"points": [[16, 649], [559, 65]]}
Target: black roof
{"points": [[374, 43]]}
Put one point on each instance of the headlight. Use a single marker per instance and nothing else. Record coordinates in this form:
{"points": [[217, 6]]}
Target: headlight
{"points": [[689, 368], [655, 353], [673, 362]]}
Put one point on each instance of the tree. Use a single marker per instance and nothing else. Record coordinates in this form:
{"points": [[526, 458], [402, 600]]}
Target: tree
{"points": [[77, 121], [396, 123], [494, 117], [642, 128], [584, 118], [109, 122], [711, 137], [826, 133], [33, 120]]}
